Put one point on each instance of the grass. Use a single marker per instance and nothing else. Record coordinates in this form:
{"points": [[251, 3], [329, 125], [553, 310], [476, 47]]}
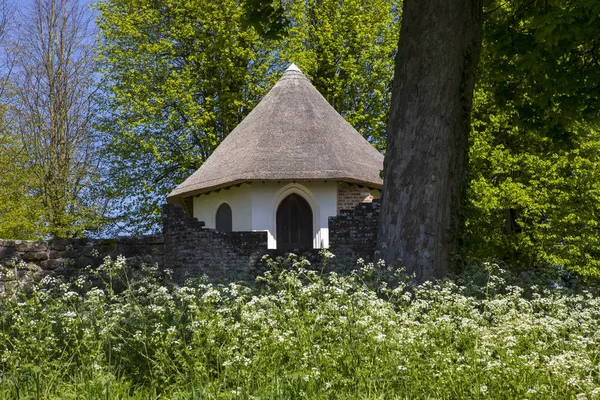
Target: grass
{"points": [[301, 334]]}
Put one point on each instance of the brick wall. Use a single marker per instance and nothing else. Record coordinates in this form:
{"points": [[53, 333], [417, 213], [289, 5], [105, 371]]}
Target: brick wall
{"points": [[350, 197]]}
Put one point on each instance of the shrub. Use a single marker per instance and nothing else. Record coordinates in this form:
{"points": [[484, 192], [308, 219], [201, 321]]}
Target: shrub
{"points": [[298, 333]]}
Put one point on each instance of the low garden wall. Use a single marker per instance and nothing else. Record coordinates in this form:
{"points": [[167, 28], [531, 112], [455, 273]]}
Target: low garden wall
{"points": [[188, 249], [22, 259], [193, 251]]}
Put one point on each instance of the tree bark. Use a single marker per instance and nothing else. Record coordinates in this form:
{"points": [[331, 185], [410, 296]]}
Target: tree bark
{"points": [[424, 168]]}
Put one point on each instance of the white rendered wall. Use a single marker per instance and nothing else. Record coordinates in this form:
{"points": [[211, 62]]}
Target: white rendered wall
{"points": [[238, 198], [254, 207], [322, 197]]}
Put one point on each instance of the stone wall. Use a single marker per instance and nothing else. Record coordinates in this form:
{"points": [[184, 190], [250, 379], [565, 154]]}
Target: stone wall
{"points": [[193, 251], [24, 259], [353, 234], [189, 249]]}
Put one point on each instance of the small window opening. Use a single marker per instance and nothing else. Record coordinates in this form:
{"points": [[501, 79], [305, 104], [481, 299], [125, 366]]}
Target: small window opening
{"points": [[224, 219]]}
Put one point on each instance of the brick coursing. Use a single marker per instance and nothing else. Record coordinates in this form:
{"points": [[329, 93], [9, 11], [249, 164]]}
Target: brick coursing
{"points": [[348, 198]]}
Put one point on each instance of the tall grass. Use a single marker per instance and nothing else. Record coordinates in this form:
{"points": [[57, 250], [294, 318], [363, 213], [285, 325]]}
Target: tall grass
{"points": [[297, 333]]}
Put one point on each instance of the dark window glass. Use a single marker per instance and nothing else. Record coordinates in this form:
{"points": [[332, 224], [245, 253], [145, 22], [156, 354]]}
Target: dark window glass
{"points": [[224, 220], [294, 224]]}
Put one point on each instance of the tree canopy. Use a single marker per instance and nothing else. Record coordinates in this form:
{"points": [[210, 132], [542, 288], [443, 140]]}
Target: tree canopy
{"points": [[21, 210], [180, 75], [534, 170], [49, 153]]}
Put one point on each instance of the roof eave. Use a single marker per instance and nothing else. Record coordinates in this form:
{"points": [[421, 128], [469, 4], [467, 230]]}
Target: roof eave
{"points": [[178, 197]]}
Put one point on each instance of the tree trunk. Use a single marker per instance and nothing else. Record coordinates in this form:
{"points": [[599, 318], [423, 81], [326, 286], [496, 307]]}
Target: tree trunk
{"points": [[424, 168]]}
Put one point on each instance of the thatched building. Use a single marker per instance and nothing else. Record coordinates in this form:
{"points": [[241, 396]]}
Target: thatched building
{"points": [[292, 163]]}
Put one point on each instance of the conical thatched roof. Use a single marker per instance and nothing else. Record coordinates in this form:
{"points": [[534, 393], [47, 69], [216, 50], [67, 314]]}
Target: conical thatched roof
{"points": [[293, 134]]}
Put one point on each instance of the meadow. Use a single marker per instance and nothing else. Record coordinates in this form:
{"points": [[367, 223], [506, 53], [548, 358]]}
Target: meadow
{"points": [[301, 333]]}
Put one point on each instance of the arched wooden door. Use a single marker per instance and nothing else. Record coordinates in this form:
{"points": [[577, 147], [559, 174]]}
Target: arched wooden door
{"points": [[294, 224]]}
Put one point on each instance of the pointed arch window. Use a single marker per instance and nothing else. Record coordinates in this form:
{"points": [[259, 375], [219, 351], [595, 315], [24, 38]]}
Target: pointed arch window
{"points": [[224, 218]]}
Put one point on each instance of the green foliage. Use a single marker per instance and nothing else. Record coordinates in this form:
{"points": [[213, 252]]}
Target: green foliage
{"points": [[268, 20], [24, 211], [347, 49], [48, 154], [534, 162], [21, 211], [181, 75], [542, 62], [298, 334]]}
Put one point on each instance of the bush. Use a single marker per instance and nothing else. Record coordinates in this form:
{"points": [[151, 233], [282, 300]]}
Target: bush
{"points": [[298, 333]]}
